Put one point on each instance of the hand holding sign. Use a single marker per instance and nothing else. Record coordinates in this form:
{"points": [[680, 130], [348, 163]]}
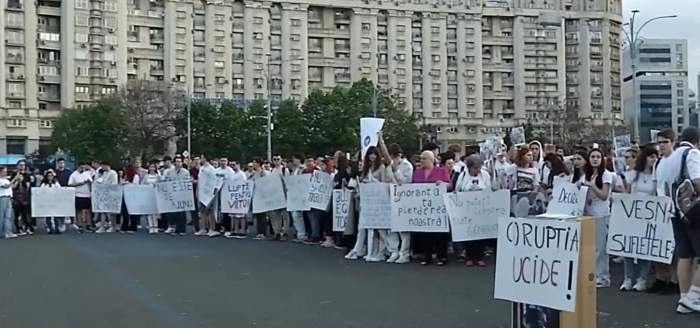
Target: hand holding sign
{"points": [[369, 129]]}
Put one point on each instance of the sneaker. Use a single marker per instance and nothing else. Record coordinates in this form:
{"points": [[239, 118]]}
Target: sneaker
{"points": [[260, 237], [241, 236], [403, 260], [100, 230], [10, 236], [213, 233], [170, 230], [618, 259], [201, 233], [110, 230], [602, 284], [297, 240], [641, 285], [228, 234], [393, 258], [681, 309], [690, 304], [376, 258], [352, 255], [327, 244], [626, 285], [75, 226]]}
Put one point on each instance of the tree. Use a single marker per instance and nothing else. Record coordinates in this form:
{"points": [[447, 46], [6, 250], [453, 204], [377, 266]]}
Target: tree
{"points": [[99, 131], [152, 108], [288, 136]]}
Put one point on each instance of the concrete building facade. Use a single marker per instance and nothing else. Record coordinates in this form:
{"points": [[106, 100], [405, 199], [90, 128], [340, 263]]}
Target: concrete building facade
{"points": [[470, 68], [662, 96]]}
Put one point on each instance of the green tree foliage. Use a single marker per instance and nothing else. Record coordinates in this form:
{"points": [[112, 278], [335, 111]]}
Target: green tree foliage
{"points": [[95, 132]]}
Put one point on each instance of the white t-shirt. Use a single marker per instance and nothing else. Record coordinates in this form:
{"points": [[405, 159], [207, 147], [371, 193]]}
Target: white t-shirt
{"points": [[644, 185], [467, 182], [669, 168], [595, 206], [76, 177], [6, 190]]}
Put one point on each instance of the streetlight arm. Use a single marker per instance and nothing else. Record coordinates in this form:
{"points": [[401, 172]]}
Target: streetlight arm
{"points": [[636, 34]]}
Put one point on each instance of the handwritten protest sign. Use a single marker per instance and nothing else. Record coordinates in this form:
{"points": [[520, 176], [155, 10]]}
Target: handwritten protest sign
{"points": [[236, 196], [140, 199], [369, 127], [268, 194], [206, 186], [53, 202], [375, 206], [537, 262], [474, 215], [342, 202], [419, 207], [174, 196], [106, 198], [640, 227], [298, 192], [517, 136], [320, 190], [567, 200]]}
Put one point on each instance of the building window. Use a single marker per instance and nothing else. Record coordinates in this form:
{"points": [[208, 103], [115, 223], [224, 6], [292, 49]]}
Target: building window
{"points": [[16, 146], [81, 20], [82, 4]]}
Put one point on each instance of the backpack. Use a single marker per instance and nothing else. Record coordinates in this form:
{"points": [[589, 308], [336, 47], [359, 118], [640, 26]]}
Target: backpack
{"points": [[687, 200]]}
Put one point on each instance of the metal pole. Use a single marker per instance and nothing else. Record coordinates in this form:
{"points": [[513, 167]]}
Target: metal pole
{"points": [[269, 112], [189, 121], [633, 59], [374, 101]]}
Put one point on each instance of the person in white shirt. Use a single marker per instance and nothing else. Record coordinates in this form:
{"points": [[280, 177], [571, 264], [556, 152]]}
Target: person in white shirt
{"points": [[223, 172], [474, 178], [5, 205], [298, 216], [599, 182], [151, 177], [81, 180], [399, 171], [239, 223], [639, 181], [106, 176], [207, 222], [49, 181], [687, 236]]}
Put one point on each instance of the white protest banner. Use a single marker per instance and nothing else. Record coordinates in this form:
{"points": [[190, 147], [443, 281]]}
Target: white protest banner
{"points": [[567, 201], [620, 144], [537, 262], [174, 196], [474, 215], [517, 136], [320, 190], [268, 194], [341, 208], [640, 227], [375, 206], [207, 184], [106, 198], [53, 202], [140, 199], [236, 196], [489, 148], [653, 134], [298, 192], [419, 207], [369, 127]]}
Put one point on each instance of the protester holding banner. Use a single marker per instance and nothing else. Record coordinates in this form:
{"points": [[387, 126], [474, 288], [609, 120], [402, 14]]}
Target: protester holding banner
{"points": [[474, 178], [176, 221], [206, 183], [130, 222], [22, 182], [80, 179], [314, 215], [639, 181], [503, 170], [260, 218], [371, 241], [683, 165], [239, 224], [6, 231], [296, 168], [528, 175], [428, 244], [152, 177], [599, 182], [400, 171], [52, 223], [106, 176], [193, 168]]}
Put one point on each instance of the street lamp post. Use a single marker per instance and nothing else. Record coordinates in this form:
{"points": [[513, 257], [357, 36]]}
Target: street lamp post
{"points": [[632, 39]]}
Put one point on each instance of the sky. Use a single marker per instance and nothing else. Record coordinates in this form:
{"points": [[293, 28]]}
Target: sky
{"points": [[686, 26]]}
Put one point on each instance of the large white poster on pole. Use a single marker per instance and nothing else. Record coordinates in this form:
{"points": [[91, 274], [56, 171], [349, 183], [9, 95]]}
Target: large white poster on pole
{"points": [[140, 199], [369, 127], [298, 192], [375, 206], [419, 207], [106, 198], [207, 185], [269, 194], [53, 202], [320, 190], [474, 215], [174, 196], [537, 262], [342, 200], [640, 227], [236, 196], [567, 200]]}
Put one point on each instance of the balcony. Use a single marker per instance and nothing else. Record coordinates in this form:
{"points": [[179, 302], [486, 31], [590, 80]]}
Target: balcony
{"points": [[15, 77], [49, 79]]}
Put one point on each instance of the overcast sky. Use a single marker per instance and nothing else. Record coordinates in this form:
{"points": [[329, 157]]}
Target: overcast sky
{"points": [[686, 26]]}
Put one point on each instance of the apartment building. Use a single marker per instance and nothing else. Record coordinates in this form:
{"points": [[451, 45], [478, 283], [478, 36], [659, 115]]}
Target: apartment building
{"points": [[470, 68], [661, 87]]}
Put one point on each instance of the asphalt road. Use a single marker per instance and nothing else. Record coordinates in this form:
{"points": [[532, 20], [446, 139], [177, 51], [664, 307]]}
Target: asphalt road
{"points": [[137, 280]]}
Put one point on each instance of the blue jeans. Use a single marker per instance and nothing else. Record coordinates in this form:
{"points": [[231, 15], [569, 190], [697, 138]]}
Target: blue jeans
{"points": [[5, 216], [639, 270]]}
